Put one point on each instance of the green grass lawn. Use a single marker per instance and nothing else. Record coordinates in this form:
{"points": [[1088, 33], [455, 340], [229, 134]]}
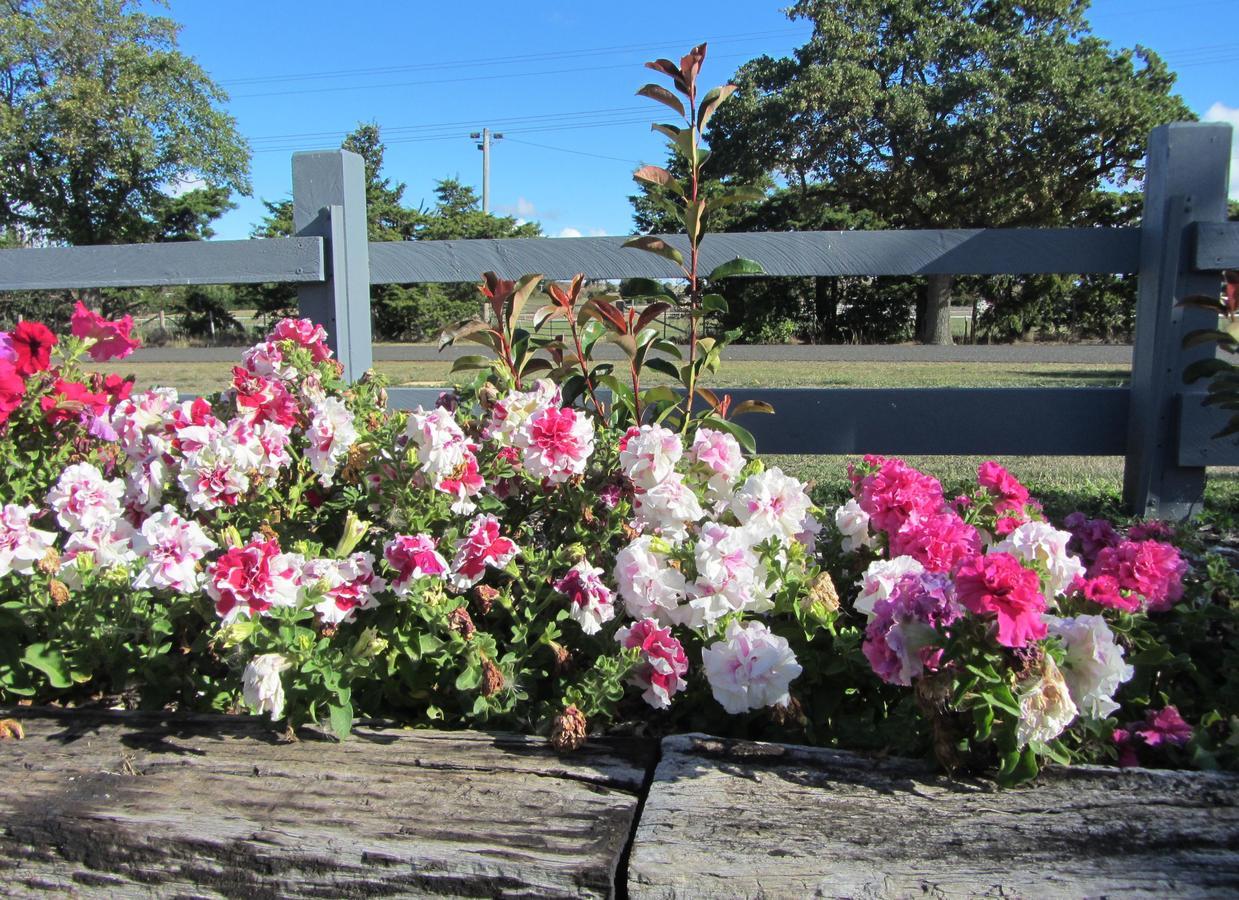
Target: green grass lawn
{"points": [[207, 377]]}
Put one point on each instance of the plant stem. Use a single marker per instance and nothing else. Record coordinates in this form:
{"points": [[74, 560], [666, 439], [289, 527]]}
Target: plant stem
{"points": [[693, 290], [580, 355]]}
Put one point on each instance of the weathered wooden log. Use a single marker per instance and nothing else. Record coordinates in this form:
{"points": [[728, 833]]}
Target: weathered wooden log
{"points": [[737, 819], [126, 804]]}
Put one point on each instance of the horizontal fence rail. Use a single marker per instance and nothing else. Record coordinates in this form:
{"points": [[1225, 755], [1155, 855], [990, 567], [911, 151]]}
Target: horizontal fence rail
{"points": [[920, 421], [298, 259], [985, 251]]}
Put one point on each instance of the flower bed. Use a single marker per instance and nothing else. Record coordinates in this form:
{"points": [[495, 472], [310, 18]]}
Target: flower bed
{"points": [[559, 549]]}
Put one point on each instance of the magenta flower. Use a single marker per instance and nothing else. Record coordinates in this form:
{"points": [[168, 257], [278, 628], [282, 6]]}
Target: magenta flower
{"points": [[112, 340], [663, 662], [998, 584], [483, 546]]}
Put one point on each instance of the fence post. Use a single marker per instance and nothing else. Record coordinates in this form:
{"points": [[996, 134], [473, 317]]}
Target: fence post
{"points": [[329, 201], [1185, 182]]}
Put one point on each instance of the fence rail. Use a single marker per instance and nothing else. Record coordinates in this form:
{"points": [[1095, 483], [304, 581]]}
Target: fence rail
{"points": [[1161, 428]]}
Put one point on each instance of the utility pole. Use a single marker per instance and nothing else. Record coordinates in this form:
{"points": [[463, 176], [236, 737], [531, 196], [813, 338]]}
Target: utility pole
{"points": [[486, 136]]}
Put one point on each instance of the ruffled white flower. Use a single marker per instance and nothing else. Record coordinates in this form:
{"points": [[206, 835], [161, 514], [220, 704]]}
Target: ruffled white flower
{"points": [[591, 603], [853, 524], [442, 448], [880, 579], [107, 547], [668, 508], [84, 500], [649, 455], [649, 587], [1045, 546], [730, 578], [556, 443], [771, 505], [330, 434], [1094, 666], [752, 668], [137, 418], [718, 457], [170, 547], [261, 685], [21, 545], [214, 475], [1046, 707]]}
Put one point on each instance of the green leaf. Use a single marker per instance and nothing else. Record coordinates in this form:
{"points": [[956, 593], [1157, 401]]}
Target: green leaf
{"points": [[660, 177], [469, 678], [662, 95], [545, 314], [711, 102], [644, 287], [460, 330], [742, 435], [466, 363], [741, 193], [341, 717], [752, 406], [657, 246], [663, 366], [50, 663], [521, 294], [1206, 336], [659, 394], [671, 132], [668, 347], [737, 266], [714, 303], [1204, 368]]}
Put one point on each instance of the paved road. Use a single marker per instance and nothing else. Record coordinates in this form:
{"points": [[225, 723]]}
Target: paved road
{"points": [[1102, 354]]}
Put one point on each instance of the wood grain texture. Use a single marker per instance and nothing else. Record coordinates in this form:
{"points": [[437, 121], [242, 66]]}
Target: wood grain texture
{"points": [[298, 259], [129, 805], [979, 251], [734, 819]]}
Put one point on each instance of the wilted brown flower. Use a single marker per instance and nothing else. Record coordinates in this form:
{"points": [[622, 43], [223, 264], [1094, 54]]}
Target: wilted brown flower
{"points": [[50, 563], [484, 597], [492, 678], [461, 622], [11, 729], [59, 591], [823, 594], [568, 731], [564, 663], [354, 464], [789, 715], [268, 532]]}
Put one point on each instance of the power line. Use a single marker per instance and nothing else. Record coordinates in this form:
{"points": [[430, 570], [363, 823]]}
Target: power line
{"points": [[634, 162], [473, 63], [453, 80]]}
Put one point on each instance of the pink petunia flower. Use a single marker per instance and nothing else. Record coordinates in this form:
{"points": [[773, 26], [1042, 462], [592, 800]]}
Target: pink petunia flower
{"points": [[251, 580], [112, 339], [413, 556], [663, 662], [590, 602], [482, 546], [997, 584]]}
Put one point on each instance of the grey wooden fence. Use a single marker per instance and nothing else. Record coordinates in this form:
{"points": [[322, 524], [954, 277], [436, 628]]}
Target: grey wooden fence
{"points": [[1159, 426]]}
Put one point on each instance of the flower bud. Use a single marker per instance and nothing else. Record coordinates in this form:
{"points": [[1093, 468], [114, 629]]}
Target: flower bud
{"points": [[822, 600], [368, 644], [354, 530]]}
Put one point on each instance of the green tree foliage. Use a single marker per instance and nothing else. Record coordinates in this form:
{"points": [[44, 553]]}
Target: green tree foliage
{"points": [[101, 119], [401, 312], [946, 114]]}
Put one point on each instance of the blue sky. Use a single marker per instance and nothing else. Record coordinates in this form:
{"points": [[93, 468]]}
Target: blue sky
{"points": [[557, 78]]}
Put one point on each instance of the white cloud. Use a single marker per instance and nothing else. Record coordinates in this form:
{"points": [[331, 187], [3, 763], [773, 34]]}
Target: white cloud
{"points": [[1220, 112], [523, 209], [577, 232]]}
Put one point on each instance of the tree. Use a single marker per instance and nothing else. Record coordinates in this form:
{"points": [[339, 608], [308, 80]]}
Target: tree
{"points": [[948, 114], [101, 119], [401, 312]]}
